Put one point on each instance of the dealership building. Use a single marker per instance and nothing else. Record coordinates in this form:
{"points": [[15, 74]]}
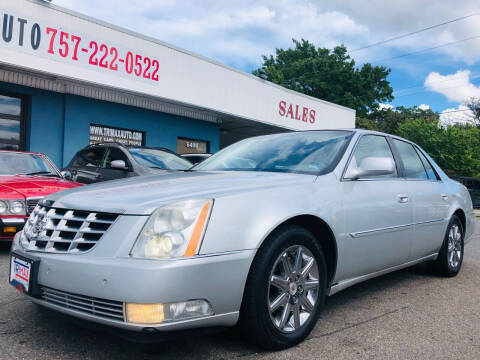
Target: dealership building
{"points": [[67, 80]]}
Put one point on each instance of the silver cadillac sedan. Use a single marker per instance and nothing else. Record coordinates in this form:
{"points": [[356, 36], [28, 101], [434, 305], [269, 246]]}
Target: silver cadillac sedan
{"points": [[258, 234]]}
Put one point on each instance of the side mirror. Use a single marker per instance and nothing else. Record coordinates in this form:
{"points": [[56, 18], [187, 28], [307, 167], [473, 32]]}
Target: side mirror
{"points": [[118, 164], [66, 174], [372, 166]]}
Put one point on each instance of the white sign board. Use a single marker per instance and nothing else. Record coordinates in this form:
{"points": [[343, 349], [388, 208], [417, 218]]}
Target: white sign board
{"points": [[48, 39]]}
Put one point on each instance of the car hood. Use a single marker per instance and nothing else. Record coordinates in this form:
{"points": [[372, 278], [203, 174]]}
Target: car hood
{"points": [[20, 186], [142, 195]]}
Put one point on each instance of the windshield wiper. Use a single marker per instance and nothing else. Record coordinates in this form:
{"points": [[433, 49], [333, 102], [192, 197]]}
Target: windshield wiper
{"points": [[47, 173]]}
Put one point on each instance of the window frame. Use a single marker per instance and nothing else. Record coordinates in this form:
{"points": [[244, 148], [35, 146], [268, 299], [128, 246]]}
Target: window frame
{"points": [[22, 118], [398, 164]]}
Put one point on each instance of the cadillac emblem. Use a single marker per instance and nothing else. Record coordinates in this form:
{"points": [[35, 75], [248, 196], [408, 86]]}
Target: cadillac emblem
{"points": [[38, 227]]}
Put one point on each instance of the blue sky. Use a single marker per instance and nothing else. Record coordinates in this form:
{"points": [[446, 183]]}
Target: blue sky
{"points": [[238, 32]]}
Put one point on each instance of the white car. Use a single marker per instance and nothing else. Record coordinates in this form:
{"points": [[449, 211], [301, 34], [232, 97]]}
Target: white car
{"points": [[260, 233]]}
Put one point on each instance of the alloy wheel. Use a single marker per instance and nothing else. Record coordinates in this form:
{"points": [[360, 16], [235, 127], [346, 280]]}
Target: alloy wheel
{"points": [[293, 288], [454, 254]]}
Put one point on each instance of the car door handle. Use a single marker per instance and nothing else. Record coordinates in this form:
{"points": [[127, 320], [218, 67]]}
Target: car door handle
{"points": [[402, 198], [444, 196]]}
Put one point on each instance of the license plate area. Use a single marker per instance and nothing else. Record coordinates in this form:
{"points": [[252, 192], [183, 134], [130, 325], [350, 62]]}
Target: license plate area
{"points": [[23, 273]]}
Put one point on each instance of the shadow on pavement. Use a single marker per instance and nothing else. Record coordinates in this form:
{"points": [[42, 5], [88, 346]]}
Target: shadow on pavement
{"points": [[74, 337]]}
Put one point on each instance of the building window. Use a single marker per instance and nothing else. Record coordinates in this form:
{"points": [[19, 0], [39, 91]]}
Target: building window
{"points": [[11, 123]]}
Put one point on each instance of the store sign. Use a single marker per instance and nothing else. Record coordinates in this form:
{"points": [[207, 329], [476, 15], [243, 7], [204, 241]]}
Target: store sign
{"points": [[190, 146], [296, 112], [101, 134], [46, 40]]}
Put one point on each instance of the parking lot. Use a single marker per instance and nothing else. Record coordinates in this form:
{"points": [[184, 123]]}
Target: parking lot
{"points": [[405, 315]]}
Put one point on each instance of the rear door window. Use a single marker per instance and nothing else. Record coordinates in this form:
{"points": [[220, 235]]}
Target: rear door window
{"points": [[432, 175], [411, 161]]}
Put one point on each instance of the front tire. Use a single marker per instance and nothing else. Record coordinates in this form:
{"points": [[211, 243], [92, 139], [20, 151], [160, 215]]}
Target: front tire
{"points": [[450, 257], [285, 290]]}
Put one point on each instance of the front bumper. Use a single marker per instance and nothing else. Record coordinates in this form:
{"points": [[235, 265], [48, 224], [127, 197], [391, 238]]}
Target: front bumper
{"points": [[219, 279], [16, 222]]}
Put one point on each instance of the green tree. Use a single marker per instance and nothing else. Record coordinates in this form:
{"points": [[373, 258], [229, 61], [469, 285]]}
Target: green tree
{"points": [[388, 119], [329, 75], [456, 148]]}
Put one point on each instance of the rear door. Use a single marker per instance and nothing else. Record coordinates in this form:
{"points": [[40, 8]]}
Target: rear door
{"points": [[86, 164], [429, 201]]}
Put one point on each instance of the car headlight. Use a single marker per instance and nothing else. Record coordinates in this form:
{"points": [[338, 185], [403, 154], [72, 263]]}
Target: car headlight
{"points": [[12, 207], [173, 231], [17, 207], [3, 207]]}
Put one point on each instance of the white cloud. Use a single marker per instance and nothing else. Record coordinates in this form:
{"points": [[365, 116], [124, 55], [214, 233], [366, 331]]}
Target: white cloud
{"points": [[455, 87], [461, 115], [237, 32], [260, 26], [385, 106], [424, 107]]}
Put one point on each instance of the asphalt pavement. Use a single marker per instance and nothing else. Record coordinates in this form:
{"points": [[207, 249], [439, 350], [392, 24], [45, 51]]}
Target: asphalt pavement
{"points": [[408, 314]]}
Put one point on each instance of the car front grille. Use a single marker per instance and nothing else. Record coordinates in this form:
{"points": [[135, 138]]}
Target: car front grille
{"points": [[31, 203], [109, 309], [55, 230]]}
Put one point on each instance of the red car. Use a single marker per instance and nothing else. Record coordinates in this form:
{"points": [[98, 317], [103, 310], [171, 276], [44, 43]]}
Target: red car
{"points": [[25, 178]]}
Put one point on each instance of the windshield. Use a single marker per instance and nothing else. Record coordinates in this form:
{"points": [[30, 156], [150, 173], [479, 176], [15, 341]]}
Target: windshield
{"points": [[154, 158], [25, 164], [313, 152]]}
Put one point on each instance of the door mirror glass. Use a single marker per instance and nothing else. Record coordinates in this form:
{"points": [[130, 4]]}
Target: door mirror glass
{"points": [[118, 164], [371, 167]]}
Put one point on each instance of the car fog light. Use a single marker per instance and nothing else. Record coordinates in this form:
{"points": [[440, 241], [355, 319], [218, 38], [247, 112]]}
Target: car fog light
{"points": [[10, 229], [169, 312], [144, 313]]}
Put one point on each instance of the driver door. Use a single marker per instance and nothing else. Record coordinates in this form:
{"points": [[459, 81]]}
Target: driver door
{"points": [[377, 214]]}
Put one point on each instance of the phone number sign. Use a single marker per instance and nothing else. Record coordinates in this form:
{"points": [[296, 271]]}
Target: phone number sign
{"points": [[49, 41]]}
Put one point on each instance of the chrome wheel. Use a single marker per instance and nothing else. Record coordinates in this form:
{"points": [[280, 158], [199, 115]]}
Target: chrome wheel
{"points": [[454, 254], [293, 288]]}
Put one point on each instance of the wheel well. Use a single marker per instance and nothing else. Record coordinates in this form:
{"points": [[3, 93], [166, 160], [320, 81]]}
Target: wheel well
{"points": [[324, 235], [462, 217]]}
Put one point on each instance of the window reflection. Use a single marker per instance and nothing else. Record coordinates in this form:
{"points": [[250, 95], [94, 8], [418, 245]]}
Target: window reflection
{"points": [[10, 105], [10, 123]]}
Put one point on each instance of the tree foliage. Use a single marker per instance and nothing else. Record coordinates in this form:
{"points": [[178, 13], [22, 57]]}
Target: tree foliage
{"points": [[329, 75], [455, 148], [388, 119], [474, 105]]}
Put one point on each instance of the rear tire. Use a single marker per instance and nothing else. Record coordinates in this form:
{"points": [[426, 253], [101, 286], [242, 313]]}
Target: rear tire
{"points": [[285, 289], [450, 257]]}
